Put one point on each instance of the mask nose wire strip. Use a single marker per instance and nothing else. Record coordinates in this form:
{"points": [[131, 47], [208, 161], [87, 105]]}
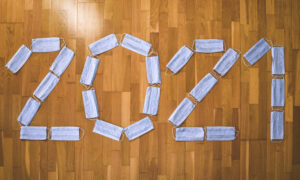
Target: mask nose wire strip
{"points": [[120, 41], [82, 133]]}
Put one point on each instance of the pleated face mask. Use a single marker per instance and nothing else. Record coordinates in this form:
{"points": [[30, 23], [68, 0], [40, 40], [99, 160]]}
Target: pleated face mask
{"points": [[257, 51], [19, 59], [203, 87], [220, 133], [136, 45], [33, 133], [29, 111], [277, 92], [46, 44], [189, 134], [226, 62], [209, 45], [46, 86], [89, 71], [108, 130], [182, 111], [180, 59], [62, 61], [277, 125], [139, 128], [105, 44], [278, 60], [64, 133], [90, 104], [153, 70], [151, 100]]}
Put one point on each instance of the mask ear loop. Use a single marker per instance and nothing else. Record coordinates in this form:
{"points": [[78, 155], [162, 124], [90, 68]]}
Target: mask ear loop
{"points": [[224, 45], [86, 86], [191, 48], [167, 73], [194, 100], [247, 65], [174, 137], [82, 133], [121, 39], [278, 76], [215, 74], [54, 74], [278, 108], [64, 43], [205, 133], [269, 41], [49, 134], [152, 52], [122, 136]]}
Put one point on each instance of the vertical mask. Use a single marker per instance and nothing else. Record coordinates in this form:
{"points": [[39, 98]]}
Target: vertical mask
{"points": [[209, 45], [64, 133], [104, 44], [182, 111], [278, 60], [89, 71], [46, 86], [19, 59], [220, 133], [62, 61], [139, 128], [277, 125], [151, 100], [180, 59], [33, 133], [46, 44], [136, 45], [108, 130], [226, 62], [189, 134], [203, 87], [277, 92], [90, 104], [257, 51], [29, 111], [153, 70]]}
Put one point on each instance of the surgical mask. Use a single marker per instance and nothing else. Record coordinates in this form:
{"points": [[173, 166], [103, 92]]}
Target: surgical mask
{"points": [[33, 133], [28, 112], [46, 44], [203, 87], [90, 104], [257, 51], [104, 44], [108, 130], [277, 92], [46, 86], [139, 128], [209, 45], [220, 133], [89, 71], [278, 60], [136, 45], [180, 59], [151, 100], [62, 61], [64, 133], [19, 59], [277, 125], [153, 70], [189, 134], [226, 62], [182, 111]]}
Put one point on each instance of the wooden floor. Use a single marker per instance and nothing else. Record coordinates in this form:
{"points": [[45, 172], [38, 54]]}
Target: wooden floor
{"points": [[241, 98]]}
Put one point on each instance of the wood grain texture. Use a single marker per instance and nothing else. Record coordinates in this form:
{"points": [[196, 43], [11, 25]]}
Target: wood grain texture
{"points": [[241, 98]]}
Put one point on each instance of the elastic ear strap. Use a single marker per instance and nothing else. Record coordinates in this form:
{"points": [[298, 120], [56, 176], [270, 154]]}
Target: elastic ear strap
{"points": [[278, 76], [152, 52], [54, 74], [86, 86], [20, 123], [215, 75], [268, 40], [121, 39], [167, 73], [243, 59], [224, 44], [278, 108], [194, 100], [205, 133], [193, 46], [92, 119], [237, 134], [82, 134], [122, 136], [173, 135], [237, 50], [37, 99], [49, 134], [64, 43]]}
